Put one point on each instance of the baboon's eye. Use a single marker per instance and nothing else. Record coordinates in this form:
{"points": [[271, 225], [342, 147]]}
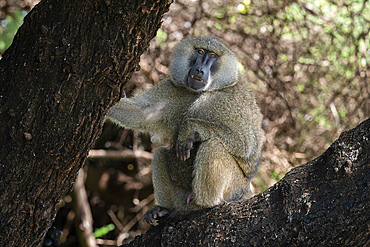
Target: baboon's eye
{"points": [[213, 55], [200, 51]]}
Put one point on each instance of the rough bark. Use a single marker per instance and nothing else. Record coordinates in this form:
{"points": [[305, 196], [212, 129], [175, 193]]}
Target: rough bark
{"points": [[322, 203], [65, 68]]}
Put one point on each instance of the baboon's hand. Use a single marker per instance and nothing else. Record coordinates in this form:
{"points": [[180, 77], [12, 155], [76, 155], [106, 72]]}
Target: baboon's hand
{"points": [[183, 149], [156, 213]]}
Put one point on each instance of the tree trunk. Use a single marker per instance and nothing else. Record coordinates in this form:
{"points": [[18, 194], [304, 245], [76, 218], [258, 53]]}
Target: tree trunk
{"points": [[65, 68], [322, 203]]}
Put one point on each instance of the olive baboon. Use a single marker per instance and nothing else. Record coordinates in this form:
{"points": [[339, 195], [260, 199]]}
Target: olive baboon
{"points": [[209, 115]]}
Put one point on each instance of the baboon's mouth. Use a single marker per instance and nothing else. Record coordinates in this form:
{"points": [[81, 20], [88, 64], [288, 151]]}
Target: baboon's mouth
{"points": [[198, 79]]}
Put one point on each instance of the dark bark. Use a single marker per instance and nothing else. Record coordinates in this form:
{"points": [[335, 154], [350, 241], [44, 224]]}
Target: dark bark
{"points": [[65, 68], [322, 203]]}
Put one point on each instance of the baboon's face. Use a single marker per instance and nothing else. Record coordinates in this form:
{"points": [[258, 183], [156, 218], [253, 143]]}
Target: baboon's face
{"points": [[203, 63]]}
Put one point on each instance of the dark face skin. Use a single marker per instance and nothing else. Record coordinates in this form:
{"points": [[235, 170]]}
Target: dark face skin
{"points": [[203, 63]]}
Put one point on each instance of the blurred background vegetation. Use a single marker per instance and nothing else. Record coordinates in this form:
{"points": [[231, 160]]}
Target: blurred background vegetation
{"points": [[308, 62]]}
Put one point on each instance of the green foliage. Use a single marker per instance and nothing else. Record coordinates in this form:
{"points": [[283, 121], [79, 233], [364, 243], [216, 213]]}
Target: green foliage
{"points": [[161, 38], [100, 232], [321, 53], [300, 87], [241, 67], [260, 183], [8, 28], [277, 175], [220, 15], [284, 57]]}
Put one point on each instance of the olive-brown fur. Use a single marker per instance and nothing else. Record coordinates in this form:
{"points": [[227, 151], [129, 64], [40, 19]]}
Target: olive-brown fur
{"points": [[215, 133]]}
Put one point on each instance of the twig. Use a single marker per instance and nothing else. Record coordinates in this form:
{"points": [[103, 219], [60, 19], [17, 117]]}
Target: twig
{"points": [[115, 154], [116, 221], [142, 203], [83, 220], [106, 242]]}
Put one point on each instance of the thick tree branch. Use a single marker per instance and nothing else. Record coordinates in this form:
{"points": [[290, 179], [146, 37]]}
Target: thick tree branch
{"points": [[325, 202], [66, 67]]}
